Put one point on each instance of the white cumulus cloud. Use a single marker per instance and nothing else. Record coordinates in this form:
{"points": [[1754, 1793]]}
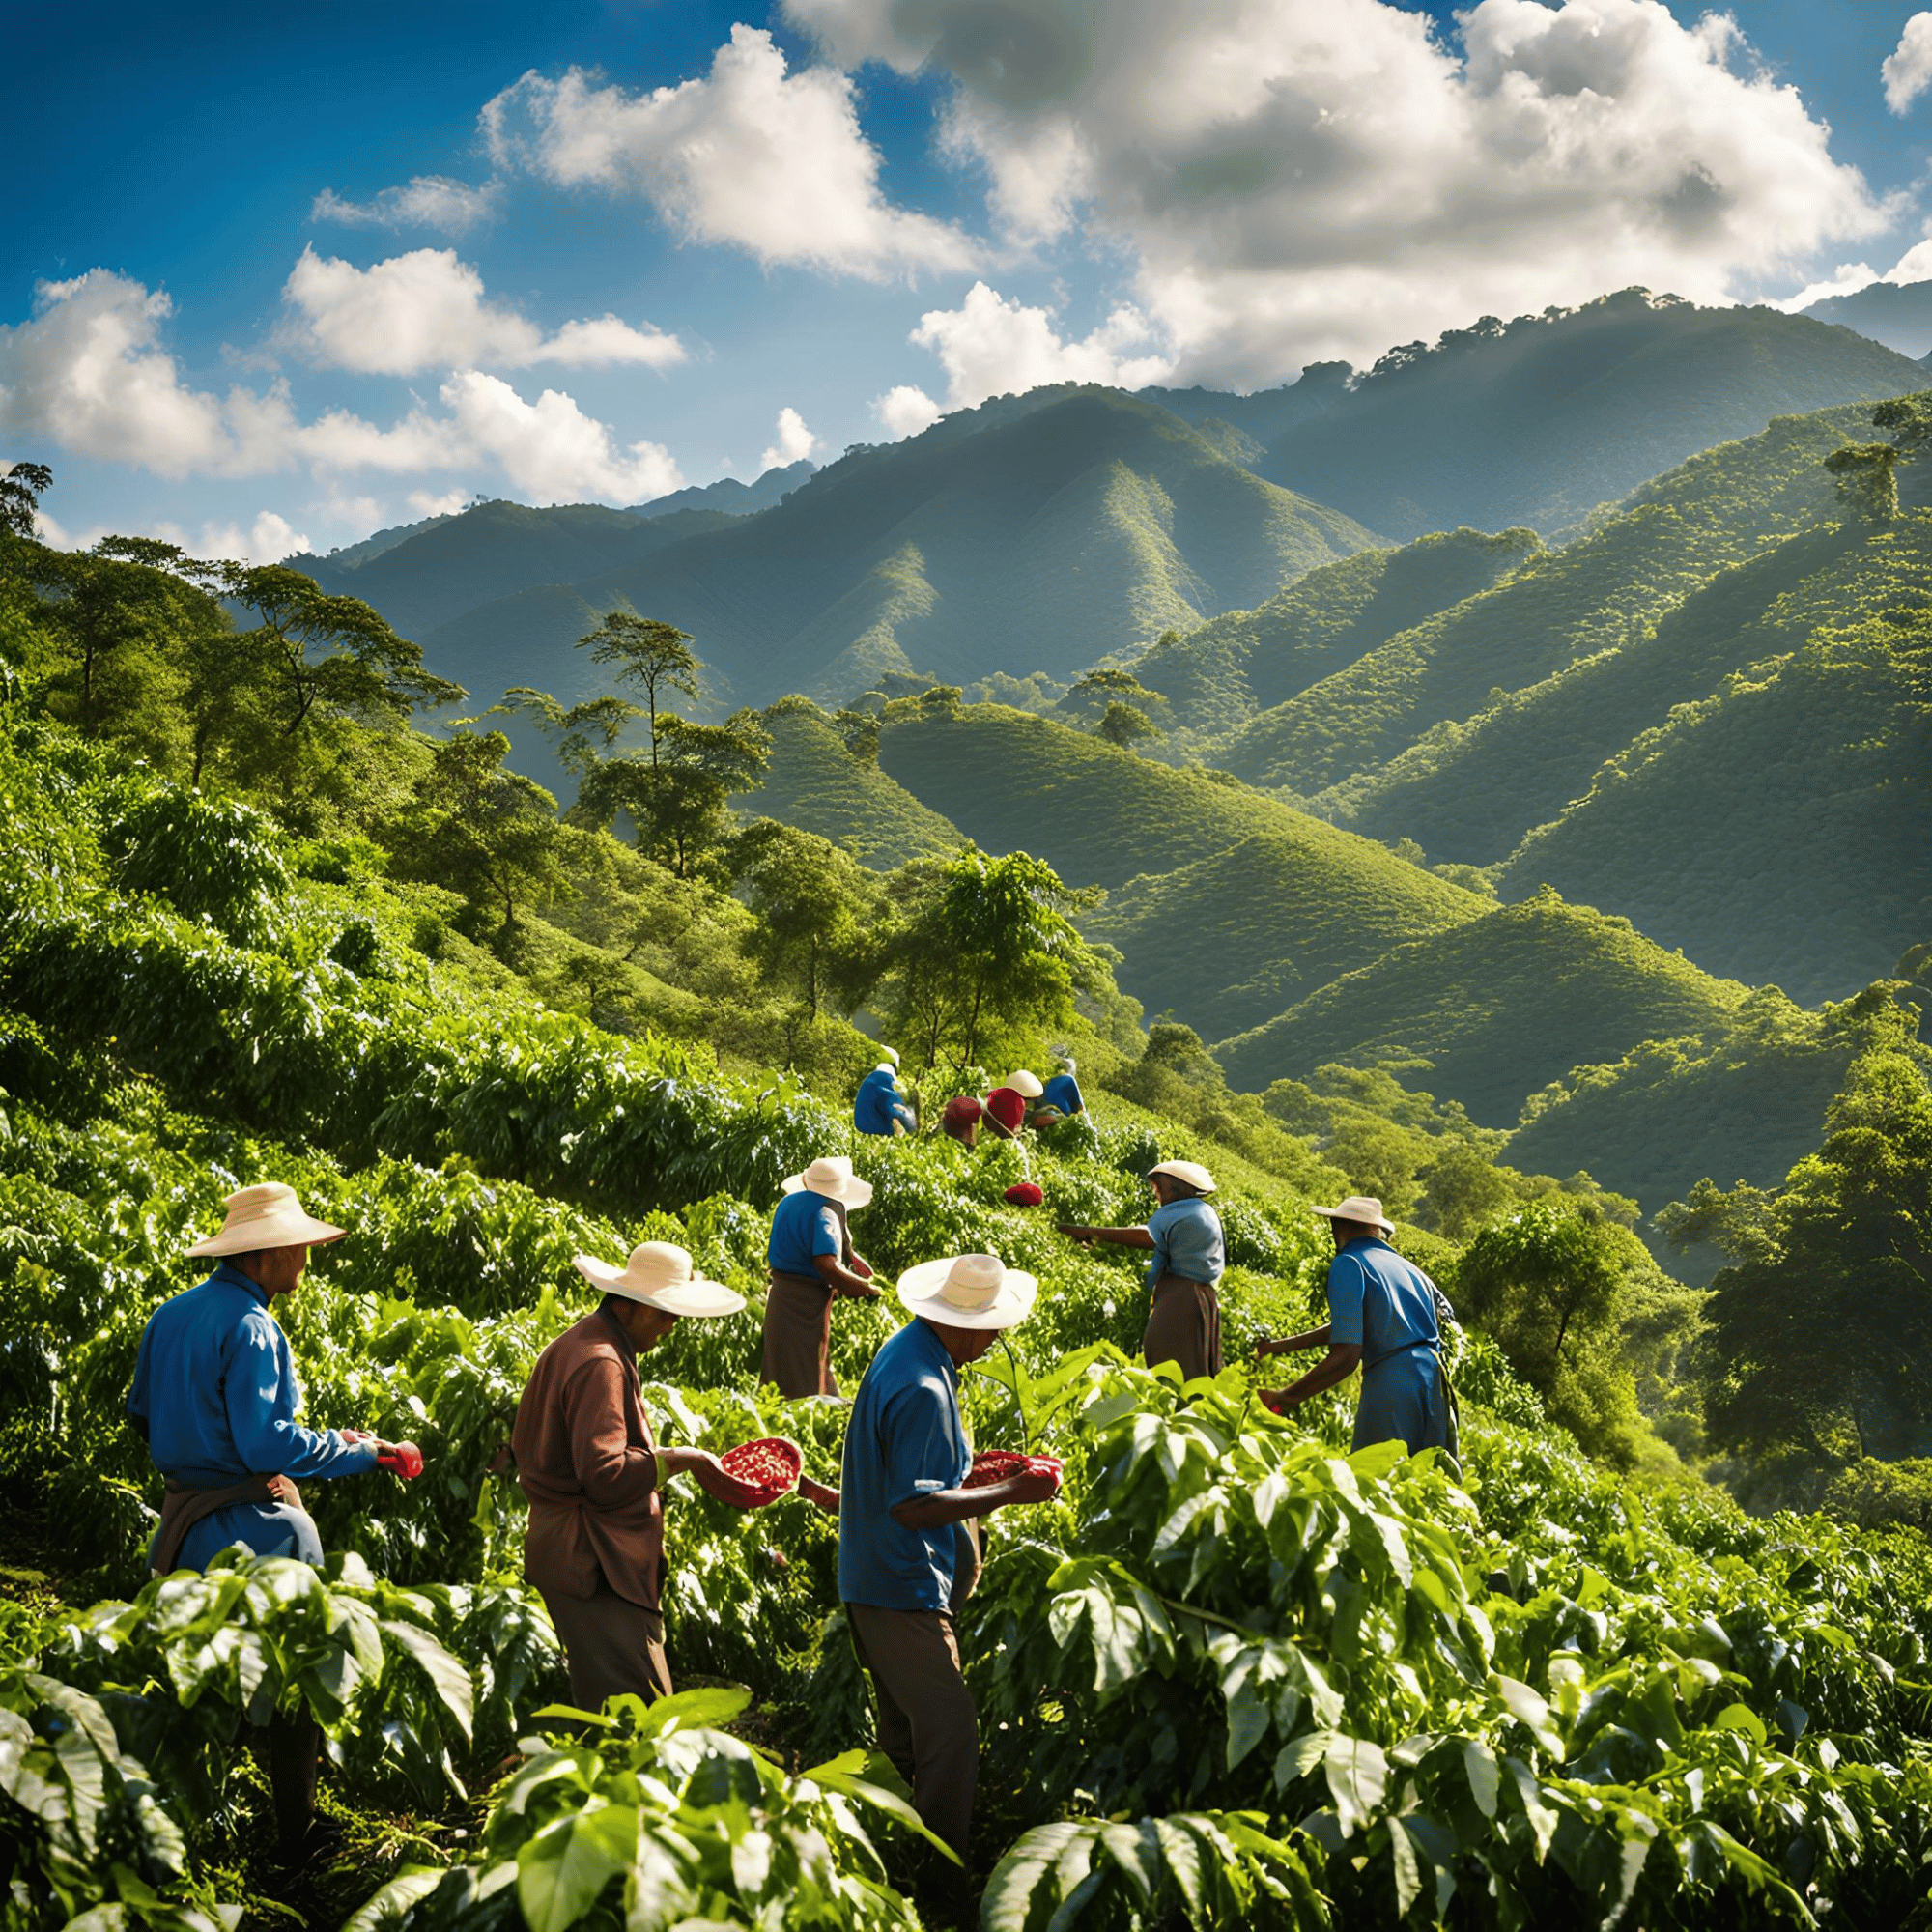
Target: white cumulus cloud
{"points": [[1296, 179], [990, 346], [1907, 71], [750, 155], [427, 309], [438, 503], [425, 201], [904, 411], [88, 371], [794, 443], [269, 539]]}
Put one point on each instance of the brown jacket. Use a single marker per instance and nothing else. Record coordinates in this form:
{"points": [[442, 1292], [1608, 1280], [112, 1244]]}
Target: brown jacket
{"points": [[588, 1465]]}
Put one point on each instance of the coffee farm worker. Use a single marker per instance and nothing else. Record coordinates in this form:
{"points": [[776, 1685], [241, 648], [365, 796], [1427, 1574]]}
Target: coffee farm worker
{"points": [[907, 1556], [1006, 1106], [595, 1476], [1062, 1093], [1382, 1315], [215, 1396], [961, 1118], [1184, 1277], [880, 1107], [812, 1263]]}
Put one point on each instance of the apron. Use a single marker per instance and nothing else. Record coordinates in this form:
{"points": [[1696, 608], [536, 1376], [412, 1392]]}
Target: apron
{"points": [[1184, 1326]]}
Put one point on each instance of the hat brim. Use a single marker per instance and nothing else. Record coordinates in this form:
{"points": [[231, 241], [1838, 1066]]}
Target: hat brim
{"points": [[1361, 1220], [861, 1191], [919, 1290], [1027, 1086], [297, 1232], [1165, 1170], [697, 1296]]}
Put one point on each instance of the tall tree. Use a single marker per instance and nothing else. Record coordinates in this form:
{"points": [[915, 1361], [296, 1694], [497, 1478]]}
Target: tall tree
{"points": [[676, 796], [654, 656], [820, 916]]}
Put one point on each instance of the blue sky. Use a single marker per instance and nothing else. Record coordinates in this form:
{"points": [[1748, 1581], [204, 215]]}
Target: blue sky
{"points": [[1111, 190]]}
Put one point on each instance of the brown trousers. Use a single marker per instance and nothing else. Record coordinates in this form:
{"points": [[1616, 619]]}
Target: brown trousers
{"points": [[1184, 1326], [927, 1724], [798, 1336], [611, 1645]]}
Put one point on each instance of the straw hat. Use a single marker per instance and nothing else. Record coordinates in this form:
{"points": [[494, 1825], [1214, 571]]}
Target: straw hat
{"points": [[267, 1215], [832, 1176], [659, 1275], [1191, 1171], [1364, 1208], [969, 1291], [1024, 1084]]}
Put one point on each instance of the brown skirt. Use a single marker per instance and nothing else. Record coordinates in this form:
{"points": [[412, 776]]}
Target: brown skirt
{"points": [[798, 1336], [1184, 1326]]}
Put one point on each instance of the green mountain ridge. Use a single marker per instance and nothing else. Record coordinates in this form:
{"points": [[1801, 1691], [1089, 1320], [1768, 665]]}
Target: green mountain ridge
{"points": [[1492, 1010]]}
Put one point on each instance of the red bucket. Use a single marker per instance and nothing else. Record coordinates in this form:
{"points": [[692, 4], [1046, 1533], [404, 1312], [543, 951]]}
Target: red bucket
{"points": [[999, 1465], [760, 1472], [401, 1459]]}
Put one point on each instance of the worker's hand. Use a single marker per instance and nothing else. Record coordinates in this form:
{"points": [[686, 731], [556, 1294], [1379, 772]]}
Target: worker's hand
{"points": [[1273, 1347], [705, 1467], [282, 1490], [356, 1435], [1033, 1487], [859, 1293], [1275, 1402], [1080, 1233], [819, 1494]]}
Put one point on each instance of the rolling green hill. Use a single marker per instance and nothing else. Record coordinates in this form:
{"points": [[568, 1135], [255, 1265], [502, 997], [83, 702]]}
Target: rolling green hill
{"points": [[1493, 1010], [1778, 828], [1245, 901], [816, 783], [1033, 535], [1244, 932], [1218, 678], [1556, 609], [1538, 420]]}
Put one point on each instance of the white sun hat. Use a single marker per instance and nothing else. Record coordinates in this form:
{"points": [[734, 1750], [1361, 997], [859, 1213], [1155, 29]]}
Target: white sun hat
{"points": [[267, 1215], [832, 1176], [1026, 1084], [1363, 1208], [1191, 1171], [659, 1275], [969, 1291]]}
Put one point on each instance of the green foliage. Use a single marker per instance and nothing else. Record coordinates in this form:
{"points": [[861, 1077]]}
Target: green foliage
{"points": [[818, 914]]}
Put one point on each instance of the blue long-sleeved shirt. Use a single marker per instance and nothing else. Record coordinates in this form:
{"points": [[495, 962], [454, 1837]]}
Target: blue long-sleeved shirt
{"points": [[215, 1393], [1186, 1241], [878, 1105]]}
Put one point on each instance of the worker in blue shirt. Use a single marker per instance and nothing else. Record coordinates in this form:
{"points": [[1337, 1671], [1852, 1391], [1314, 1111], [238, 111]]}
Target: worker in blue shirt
{"points": [[1384, 1315], [1184, 1277], [812, 1263], [906, 1557], [1062, 1093], [215, 1398], [879, 1108]]}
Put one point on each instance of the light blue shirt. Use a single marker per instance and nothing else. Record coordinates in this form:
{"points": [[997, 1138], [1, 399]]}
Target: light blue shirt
{"points": [[905, 1440], [215, 1388], [878, 1105], [1186, 1241], [1378, 1300], [804, 1226]]}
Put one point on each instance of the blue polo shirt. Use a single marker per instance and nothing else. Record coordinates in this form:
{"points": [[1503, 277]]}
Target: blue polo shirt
{"points": [[804, 1226], [878, 1105], [1380, 1300], [1186, 1241], [215, 1391], [905, 1440], [1062, 1090]]}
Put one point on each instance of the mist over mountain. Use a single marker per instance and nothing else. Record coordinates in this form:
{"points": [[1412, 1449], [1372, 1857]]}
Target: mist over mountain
{"points": [[1897, 314]]}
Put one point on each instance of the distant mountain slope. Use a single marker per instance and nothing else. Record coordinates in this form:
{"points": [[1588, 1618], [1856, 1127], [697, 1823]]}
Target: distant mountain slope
{"points": [[1780, 828], [729, 494], [816, 783], [1897, 314], [1556, 609], [1538, 420], [1260, 896], [1242, 934], [1220, 675], [1018, 538], [1742, 1098], [1493, 1010], [496, 550]]}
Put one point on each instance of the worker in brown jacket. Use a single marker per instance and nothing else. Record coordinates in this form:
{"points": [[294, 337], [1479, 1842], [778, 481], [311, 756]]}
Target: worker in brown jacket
{"points": [[595, 1476]]}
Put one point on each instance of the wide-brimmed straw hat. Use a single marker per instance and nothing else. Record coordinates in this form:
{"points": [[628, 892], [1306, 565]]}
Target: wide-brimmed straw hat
{"points": [[1026, 1084], [832, 1176], [969, 1291], [267, 1215], [658, 1274], [1363, 1208], [1191, 1171]]}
